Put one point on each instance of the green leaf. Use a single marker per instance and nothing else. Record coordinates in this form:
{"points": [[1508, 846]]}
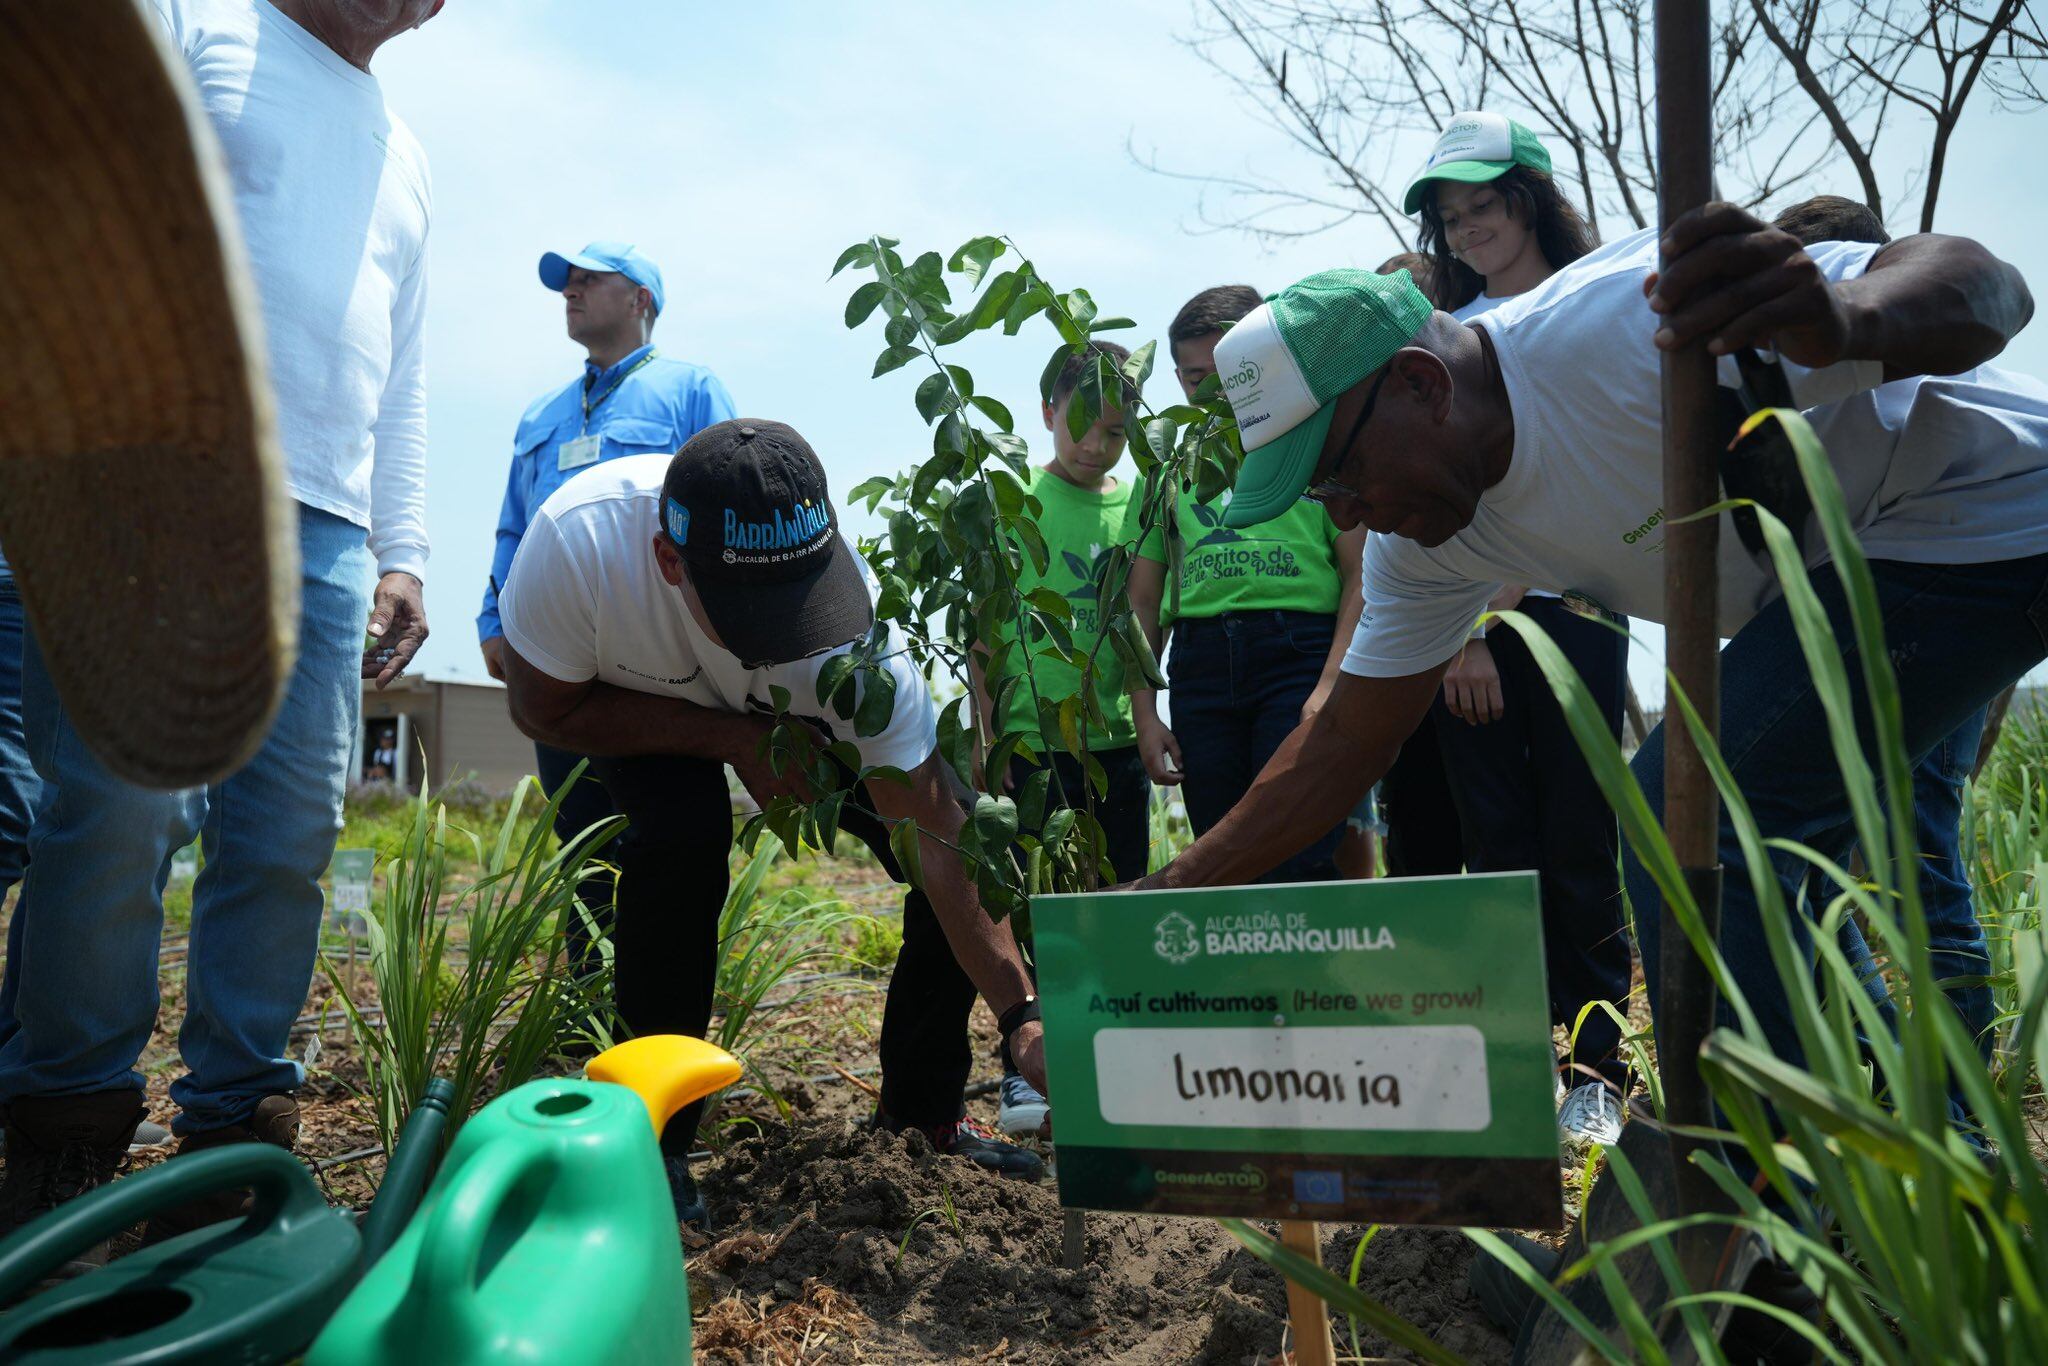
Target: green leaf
{"points": [[1110, 324], [973, 257], [1031, 798], [900, 330], [993, 411], [1009, 446], [877, 703], [831, 674], [1009, 493], [995, 822], [1138, 368], [1030, 302], [1051, 373], [864, 301], [870, 491], [935, 396], [903, 843], [1145, 663], [895, 358], [859, 254], [950, 436], [994, 304]]}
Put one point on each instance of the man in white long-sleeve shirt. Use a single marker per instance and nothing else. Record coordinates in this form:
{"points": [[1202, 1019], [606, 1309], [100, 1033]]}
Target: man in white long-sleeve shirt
{"points": [[332, 195]]}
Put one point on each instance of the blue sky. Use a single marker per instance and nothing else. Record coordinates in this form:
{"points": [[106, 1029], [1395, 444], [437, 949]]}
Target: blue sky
{"points": [[743, 146]]}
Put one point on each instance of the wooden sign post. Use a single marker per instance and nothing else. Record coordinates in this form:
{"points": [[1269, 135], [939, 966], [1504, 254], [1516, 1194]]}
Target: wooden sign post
{"points": [[1306, 1312]]}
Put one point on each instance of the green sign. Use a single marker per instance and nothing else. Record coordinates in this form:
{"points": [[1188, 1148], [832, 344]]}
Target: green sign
{"points": [[1360, 1051]]}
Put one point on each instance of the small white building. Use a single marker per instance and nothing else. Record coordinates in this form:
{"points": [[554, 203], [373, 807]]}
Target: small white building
{"points": [[443, 727]]}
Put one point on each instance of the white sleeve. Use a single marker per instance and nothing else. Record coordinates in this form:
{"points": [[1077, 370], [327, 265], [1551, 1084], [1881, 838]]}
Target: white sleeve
{"points": [[548, 609], [398, 470], [1838, 261], [1416, 615]]}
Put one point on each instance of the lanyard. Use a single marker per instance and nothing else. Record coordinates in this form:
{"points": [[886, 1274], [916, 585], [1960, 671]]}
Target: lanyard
{"points": [[591, 405]]}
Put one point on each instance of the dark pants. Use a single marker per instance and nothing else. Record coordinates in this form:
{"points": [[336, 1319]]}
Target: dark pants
{"points": [[1238, 683], [1125, 813], [674, 865], [585, 805], [1423, 832], [1957, 635], [1526, 799]]}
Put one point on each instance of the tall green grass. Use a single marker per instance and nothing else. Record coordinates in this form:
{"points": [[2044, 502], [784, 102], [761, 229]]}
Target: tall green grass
{"points": [[1919, 1246], [484, 1022]]}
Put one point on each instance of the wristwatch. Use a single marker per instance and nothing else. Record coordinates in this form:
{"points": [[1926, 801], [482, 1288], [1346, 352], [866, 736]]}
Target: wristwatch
{"points": [[1019, 1015]]}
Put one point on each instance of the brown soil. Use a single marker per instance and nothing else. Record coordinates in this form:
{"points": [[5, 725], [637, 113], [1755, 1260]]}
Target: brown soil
{"points": [[828, 1210]]}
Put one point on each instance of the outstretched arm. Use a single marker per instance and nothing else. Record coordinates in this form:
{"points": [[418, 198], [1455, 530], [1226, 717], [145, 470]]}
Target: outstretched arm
{"points": [[1927, 305], [986, 949], [1309, 785]]}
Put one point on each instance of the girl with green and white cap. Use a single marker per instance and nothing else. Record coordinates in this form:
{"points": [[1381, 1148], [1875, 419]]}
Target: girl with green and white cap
{"points": [[1495, 225]]}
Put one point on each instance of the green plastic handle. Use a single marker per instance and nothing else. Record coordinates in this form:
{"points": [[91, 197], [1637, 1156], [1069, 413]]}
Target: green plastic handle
{"points": [[285, 1196], [452, 1241]]}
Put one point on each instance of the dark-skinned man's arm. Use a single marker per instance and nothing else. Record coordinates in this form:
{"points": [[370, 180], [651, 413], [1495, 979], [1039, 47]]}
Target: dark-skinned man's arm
{"points": [[1926, 305], [1310, 783]]}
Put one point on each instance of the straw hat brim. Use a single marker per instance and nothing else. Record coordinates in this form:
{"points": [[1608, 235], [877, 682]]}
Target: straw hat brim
{"points": [[142, 495]]}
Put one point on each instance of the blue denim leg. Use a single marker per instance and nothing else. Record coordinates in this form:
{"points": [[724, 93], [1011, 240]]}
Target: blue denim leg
{"points": [[1210, 718], [18, 781], [81, 989], [85, 978], [1956, 634], [269, 835], [1284, 657]]}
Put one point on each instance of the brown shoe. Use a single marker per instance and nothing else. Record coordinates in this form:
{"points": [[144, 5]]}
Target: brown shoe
{"points": [[276, 1122], [59, 1148]]}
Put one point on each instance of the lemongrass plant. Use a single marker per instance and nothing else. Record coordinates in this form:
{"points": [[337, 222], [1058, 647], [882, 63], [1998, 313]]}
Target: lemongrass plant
{"points": [[1919, 1244], [486, 1022]]}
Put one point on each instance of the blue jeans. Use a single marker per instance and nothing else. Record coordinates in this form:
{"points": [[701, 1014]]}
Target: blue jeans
{"points": [[1958, 634], [81, 983], [18, 782], [1238, 682]]}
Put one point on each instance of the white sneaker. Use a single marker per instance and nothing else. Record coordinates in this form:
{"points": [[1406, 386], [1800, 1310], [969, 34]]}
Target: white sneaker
{"points": [[1021, 1110], [1591, 1114]]}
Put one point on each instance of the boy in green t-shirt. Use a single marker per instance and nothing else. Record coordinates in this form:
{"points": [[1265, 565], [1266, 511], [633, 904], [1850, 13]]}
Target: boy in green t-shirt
{"points": [[1082, 515], [1260, 628]]}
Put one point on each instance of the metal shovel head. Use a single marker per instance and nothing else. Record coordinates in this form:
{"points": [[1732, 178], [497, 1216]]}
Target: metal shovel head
{"points": [[142, 496], [1547, 1339]]}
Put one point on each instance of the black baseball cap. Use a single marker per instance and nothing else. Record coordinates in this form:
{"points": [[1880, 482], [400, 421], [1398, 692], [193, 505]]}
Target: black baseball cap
{"points": [[746, 505]]}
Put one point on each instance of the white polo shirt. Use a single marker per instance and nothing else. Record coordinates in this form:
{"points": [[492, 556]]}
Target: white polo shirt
{"points": [[1933, 471], [585, 599]]}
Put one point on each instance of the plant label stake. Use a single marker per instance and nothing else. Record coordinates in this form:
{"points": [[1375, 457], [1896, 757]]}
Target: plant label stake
{"points": [[1371, 1052], [354, 870], [1306, 1312]]}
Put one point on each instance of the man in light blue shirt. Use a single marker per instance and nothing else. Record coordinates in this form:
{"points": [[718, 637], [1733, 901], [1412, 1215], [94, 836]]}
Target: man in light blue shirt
{"points": [[629, 400]]}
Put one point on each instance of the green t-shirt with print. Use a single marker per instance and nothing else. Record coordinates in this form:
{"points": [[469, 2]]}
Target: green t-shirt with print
{"points": [[1080, 528], [1286, 564]]}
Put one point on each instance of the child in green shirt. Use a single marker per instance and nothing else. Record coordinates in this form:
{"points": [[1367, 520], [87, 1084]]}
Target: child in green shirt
{"points": [[1259, 632], [1082, 512]]}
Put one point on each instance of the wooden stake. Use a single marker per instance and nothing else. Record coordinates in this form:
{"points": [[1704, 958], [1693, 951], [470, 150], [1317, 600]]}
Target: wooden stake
{"points": [[1305, 1309], [1073, 1239]]}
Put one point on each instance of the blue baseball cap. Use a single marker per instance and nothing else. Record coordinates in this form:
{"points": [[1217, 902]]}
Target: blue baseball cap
{"points": [[621, 258]]}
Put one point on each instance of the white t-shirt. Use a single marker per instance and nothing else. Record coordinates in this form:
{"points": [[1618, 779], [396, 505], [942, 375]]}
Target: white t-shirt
{"points": [[1935, 470], [586, 599], [334, 201], [1486, 303]]}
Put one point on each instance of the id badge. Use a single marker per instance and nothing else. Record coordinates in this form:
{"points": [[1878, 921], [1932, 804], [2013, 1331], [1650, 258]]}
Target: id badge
{"points": [[574, 455]]}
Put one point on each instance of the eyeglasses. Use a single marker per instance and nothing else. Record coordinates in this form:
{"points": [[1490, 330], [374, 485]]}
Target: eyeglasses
{"points": [[1329, 490]]}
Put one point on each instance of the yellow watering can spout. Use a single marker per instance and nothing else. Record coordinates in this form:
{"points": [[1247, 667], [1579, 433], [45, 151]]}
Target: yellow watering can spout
{"points": [[667, 1071]]}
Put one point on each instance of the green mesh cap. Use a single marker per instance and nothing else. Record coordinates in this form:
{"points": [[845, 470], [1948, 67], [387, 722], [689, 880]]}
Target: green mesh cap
{"points": [[1476, 147], [1287, 361]]}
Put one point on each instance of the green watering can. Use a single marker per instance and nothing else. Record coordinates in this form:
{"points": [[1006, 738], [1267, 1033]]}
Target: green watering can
{"points": [[248, 1291], [549, 1234]]}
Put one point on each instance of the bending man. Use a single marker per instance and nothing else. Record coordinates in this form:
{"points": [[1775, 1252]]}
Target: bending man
{"points": [[1525, 448], [655, 609]]}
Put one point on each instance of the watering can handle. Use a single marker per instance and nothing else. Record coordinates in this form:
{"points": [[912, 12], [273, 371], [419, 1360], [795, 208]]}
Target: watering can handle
{"points": [[284, 1195], [667, 1071], [453, 1238]]}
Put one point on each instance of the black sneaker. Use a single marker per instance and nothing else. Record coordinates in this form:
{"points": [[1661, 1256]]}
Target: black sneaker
{"points": [[975, 1141], [59, 1148], [682, 1188], [1504, 1297]]}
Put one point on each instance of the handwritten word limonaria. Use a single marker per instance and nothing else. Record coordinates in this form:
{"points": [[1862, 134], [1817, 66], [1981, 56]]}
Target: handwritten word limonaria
{"points": [[1282, 1085]]}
